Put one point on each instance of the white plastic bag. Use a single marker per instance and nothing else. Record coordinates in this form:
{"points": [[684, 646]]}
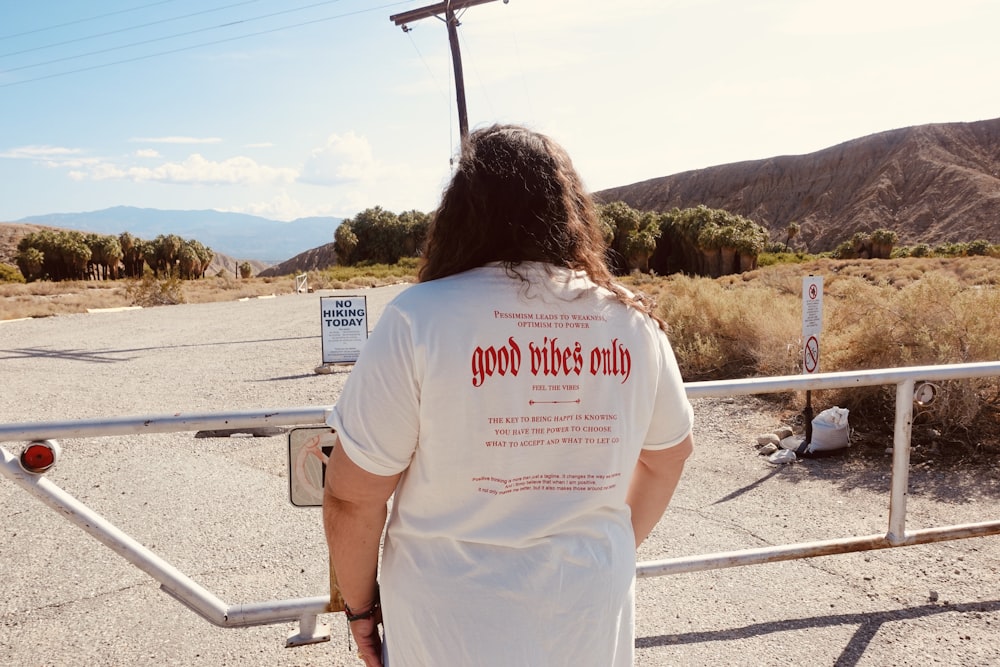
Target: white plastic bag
{"points": [[782, 456], [830, 430], [834, 417]]}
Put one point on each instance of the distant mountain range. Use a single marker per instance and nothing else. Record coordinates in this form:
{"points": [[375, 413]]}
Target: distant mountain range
{"points": [[237, 235], [930, 184]]}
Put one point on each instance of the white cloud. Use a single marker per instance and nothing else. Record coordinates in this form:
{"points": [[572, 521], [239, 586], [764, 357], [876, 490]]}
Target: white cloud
{"points": [[195, 170], [39, 152], [53, 157], [262, 144], [176, 140], [282, 207], [344, 159], [147, 152], [354, 179], [102, 171]]}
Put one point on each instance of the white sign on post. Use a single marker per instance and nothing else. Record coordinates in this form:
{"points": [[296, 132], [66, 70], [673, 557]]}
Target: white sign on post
{"points": [[344, 323], [812, 322]]}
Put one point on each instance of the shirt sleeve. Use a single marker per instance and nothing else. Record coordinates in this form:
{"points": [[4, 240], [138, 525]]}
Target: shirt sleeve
{"points": [[673, 417], [377, 415]]}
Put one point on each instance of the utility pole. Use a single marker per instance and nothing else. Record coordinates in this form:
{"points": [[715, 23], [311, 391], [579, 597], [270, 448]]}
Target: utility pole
{"points": [[448, 8]]}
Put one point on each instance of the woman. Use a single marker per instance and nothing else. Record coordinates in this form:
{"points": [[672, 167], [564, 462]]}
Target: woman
{"points": [[530, 418]]}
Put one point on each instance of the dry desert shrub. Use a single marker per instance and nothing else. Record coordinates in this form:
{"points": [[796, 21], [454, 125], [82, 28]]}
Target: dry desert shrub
{"points": [[730, 328], [734, 330], [977, 270], [153, 291], [934, 321], [44, 299]]}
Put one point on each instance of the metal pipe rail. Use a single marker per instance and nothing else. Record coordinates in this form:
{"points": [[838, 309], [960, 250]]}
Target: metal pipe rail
{"points": [[905, 380], [172, 581], [306, 610]]}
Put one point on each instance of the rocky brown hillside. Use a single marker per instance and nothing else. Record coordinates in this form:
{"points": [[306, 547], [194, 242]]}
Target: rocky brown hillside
{"points": [[10, 234], [311, 260], [929, 183]]}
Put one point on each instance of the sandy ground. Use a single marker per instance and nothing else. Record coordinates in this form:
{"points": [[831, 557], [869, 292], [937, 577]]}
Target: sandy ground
{"points": [[218, 510]]}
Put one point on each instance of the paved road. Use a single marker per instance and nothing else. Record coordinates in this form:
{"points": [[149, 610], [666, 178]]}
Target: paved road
{"points": [[217, 509]]}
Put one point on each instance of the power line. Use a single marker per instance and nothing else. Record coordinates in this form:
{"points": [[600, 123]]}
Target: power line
{"points": [[447, 98], [90, 18], [197, 46], [486, 93], [166, 37], [428, 67], [120, 30]]}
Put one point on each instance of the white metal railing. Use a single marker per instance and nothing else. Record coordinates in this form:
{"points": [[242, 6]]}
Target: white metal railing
{"points": [[905, 380], [307, 610], [172, 581]]}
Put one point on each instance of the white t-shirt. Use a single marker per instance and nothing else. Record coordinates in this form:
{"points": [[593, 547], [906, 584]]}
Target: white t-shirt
{"points": [[517, 411]]}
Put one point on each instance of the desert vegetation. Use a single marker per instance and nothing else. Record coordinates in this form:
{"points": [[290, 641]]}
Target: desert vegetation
{"points": [[699, 240], [877, 314], [58, 255], [43, 298], [732, 299]]}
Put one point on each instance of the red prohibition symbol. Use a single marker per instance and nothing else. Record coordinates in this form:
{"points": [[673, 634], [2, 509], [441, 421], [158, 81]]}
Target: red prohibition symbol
{"points": [[811, 355], [813, 291]]}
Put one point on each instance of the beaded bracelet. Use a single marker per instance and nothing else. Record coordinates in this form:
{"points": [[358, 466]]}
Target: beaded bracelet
{"points": [[372, 610]]}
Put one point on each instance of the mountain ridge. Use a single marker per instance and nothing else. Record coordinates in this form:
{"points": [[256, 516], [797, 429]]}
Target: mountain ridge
{"points": [[239, 235], [932, 184]]}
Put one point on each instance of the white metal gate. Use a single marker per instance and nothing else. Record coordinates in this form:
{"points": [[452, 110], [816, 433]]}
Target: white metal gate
{"points": [[307, 610]]}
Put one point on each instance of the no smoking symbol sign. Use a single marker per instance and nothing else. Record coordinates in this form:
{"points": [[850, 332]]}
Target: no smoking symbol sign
{"points": [[811, 355]]}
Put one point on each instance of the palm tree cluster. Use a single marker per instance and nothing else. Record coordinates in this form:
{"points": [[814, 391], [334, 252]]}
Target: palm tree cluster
{"points": [[697, 241], [378, 236], [72, 255], [700, 241]]}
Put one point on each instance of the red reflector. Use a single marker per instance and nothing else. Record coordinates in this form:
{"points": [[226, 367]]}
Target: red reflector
{"points": [[37, 457]]}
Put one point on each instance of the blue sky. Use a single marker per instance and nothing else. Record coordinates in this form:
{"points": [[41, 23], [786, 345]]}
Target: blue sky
{"points": [[290, 108]]}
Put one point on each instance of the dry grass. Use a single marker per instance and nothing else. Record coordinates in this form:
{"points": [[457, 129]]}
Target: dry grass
{"points": [[877, 314], [45, 299]]}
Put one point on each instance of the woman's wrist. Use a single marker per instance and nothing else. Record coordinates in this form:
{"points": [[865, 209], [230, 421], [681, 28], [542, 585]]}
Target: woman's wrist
{"points": [[363, 611]]}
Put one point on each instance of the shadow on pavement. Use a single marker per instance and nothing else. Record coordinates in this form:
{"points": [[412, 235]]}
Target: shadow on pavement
{"points": [[868, 624]]}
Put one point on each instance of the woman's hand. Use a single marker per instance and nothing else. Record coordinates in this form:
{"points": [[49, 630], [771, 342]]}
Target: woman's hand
{"points": [[365, 633]]}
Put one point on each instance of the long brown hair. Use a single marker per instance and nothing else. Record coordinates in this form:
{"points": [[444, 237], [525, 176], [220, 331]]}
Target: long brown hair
{"points": [[515, 197]]}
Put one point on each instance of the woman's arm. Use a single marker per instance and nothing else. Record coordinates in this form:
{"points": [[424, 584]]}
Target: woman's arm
{"points": [[653, 482], [354, 513]]}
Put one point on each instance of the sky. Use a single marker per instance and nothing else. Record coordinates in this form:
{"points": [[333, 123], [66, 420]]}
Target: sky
{"points": [[295, 108]]}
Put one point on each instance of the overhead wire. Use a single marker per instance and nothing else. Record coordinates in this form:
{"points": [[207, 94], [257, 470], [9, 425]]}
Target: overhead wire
{"points": [[203, 44], [84, 20], [121, 30], [167, 37], [464, 40], [447, 96], [426, 65]]}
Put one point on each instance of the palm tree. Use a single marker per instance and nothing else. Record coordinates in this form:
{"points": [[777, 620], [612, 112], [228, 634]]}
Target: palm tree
{"points": [[792, 230]]}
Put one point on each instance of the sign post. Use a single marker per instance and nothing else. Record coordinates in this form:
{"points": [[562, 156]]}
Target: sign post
{"points": [[344, 323], [812, 326]]}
